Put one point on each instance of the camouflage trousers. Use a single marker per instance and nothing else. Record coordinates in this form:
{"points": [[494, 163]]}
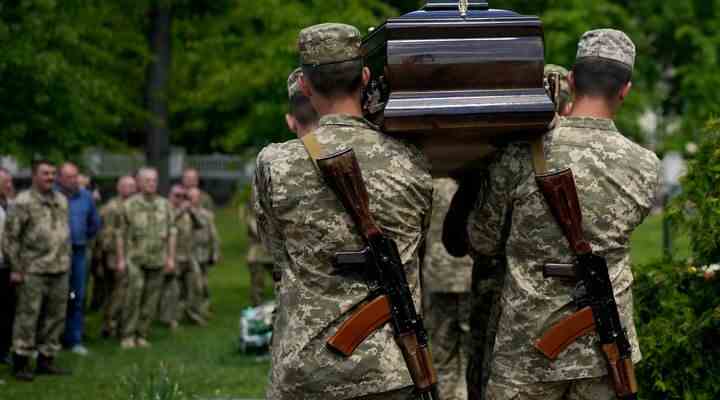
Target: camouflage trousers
{"points": [[407, 393], [447, 317], [487, 281], [141, 303], [181, 294], [40, 314], [117, 293], [257, 281], [500, 388], [204, 298]]}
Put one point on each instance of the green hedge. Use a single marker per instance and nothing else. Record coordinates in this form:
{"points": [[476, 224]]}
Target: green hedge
{"points": [[678, 319]]}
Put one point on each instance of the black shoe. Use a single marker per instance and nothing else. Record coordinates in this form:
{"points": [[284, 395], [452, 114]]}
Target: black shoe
{"points": [[46, 366], [21, 368]]}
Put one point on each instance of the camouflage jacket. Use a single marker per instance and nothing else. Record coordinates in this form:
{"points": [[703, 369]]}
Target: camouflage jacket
{"points": [[111, 215], [206, 201], [256, 249], [206, 242], [303, 225], [147, 225], [37, 234], [616, 182], [443, 272], [184, 221]]}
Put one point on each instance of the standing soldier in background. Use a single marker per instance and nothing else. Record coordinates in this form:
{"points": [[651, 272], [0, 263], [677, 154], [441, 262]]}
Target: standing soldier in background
{"points": [[259, 260], [446, 284], [616, 182], [304, 225], [191, 180], [206, 247], [302, 117], [7, 291], [556, 82], [146, 240], [106, 253], [182, 287], [37, 245]]}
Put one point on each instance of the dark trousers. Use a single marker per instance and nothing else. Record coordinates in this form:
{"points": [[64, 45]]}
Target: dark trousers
{"points": [[76, 303], [7, 311]]}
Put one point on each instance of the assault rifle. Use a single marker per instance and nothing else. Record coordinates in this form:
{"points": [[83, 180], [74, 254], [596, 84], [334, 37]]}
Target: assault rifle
{"points": [[594, 295], [390, 297]]}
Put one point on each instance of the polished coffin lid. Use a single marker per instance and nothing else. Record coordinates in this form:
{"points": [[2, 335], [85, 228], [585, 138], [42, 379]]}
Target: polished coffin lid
{"points": [[456, 86]]}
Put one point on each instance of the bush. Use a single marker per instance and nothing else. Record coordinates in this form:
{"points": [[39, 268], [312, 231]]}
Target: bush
{"points": [[697, 209]]}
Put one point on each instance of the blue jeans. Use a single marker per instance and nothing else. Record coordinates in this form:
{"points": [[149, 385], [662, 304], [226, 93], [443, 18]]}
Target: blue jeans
{"points": [[76, 303]]}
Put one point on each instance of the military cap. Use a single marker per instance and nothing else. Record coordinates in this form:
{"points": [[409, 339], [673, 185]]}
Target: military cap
{"points": [[328, 43], [564, 92], [293, 82], [609, 44]]}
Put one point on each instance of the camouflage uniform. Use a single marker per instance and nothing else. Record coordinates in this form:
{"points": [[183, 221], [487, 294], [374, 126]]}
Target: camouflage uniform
{"points": [[303, 225], [37, 244], [206, 250], [259, 261], [564, 93], [146, 225], [206, 201], [616, 181], [183, 287], [446, 284], [106, 247]]}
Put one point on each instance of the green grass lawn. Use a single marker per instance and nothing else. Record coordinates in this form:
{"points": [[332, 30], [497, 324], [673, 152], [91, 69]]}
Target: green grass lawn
{"points": [[204, 361], [647, 242]]}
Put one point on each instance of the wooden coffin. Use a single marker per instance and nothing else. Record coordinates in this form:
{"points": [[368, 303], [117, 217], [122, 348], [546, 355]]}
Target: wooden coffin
{"points": [[457, 85]]}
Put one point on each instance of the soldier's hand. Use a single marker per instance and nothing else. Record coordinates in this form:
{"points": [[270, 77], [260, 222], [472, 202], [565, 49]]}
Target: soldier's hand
{"points": [[169, 266], [120, 266], [16, 278]]}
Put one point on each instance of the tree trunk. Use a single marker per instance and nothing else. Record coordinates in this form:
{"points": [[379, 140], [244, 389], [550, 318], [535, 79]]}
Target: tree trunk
{"points": [[156, 94]]}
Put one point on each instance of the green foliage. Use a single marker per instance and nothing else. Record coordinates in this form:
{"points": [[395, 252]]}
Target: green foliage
{"points": [[230, 70], [157, 384], [678, 320], [697, 209], [70, 74]]}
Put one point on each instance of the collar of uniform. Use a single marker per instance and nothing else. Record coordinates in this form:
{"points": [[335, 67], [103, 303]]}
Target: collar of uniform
{"points": [[48, 199], [345, 120], [602, 124]]}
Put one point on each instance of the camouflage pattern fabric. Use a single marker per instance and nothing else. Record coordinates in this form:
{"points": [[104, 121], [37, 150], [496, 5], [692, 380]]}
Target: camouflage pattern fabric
{"points": [[303, 225], [447, 318], [111, 214], [329, 43], [143, 297], [616, 180], [584, 389], [146, 225], [565, 93], [206, 201], [180, 294], [206, 241], [40, 314], [293, 83], [257, 253], [258, 271], [407, 393], [184, 226], [112, 309], [609, 44], [169, 299], [37, 234], [443, 272]]}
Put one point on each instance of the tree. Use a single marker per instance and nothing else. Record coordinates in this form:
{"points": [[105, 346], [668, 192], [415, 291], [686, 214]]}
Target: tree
{"points": [[70, 74]]}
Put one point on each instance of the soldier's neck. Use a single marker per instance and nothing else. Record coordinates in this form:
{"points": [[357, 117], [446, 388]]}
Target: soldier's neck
{"points": [[148, 196], [593, 107], [348, 105]]}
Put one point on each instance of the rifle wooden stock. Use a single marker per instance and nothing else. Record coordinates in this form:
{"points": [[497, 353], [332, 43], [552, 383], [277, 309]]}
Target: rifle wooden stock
{"points": [[622, 372], [342, 173], [562, 334], [360, 325], [560, 193], [418, 360]]}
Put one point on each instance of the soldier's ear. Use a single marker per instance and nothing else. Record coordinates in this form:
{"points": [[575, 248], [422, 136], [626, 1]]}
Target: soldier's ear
{"points": [[291, 123], [625, 91], [366, 75], [305, 87]]}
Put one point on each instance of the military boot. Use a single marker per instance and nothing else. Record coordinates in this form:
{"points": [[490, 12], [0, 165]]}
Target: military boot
{"points": [[46, 366], [21, 368]]}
